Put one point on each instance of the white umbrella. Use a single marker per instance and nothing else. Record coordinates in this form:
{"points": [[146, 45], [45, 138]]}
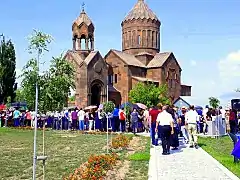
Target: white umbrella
{"points": [[90, 107]]}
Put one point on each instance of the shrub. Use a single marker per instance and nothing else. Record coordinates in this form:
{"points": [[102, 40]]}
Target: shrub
{"points": [[108, 107], [120, 141], [95, 168]]}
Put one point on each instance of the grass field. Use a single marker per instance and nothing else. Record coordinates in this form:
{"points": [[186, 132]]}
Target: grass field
{"points": [[221, 150], [139, 162], [66, 152]]}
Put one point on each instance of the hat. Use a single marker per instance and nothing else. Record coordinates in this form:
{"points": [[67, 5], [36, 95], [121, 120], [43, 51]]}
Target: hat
{"points": [[184, 107]]}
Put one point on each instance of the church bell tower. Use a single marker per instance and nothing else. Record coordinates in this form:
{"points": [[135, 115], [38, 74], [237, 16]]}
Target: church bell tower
{"points": [[83, 33]]}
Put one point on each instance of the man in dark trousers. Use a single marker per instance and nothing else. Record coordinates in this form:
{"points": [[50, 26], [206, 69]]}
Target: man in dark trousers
{"points": [[115, 121], [165, 121]]}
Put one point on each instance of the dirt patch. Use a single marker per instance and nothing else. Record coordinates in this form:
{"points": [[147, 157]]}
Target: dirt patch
{"points": [[68, 136], [120, 170], [135, 145], [20, 148]]}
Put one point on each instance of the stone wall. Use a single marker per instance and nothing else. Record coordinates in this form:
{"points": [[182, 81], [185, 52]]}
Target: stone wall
{"points": [[118, 67], [141, 36]]}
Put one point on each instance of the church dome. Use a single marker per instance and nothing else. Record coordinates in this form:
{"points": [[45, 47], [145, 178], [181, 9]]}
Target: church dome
{"points": [[141, 30], [83, 18], [141, 11]]}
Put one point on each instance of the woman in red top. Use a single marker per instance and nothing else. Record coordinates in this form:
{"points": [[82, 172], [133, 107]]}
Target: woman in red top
{"points": [[232, 121], [122, 118], [28, 118]]}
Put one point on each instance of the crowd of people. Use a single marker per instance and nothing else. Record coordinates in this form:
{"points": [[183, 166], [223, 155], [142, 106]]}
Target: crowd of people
{"points": [[170, 122], [94, 119], [166, 123]]}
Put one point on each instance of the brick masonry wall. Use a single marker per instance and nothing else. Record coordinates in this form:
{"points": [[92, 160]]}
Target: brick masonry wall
{"points": [[141, 36], [119, 68]]}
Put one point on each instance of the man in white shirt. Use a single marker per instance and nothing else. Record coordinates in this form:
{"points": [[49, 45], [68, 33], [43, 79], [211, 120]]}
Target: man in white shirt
{"points": [[191, 122], [56, 123], [223, 113], [81, 115], [165, 120]]}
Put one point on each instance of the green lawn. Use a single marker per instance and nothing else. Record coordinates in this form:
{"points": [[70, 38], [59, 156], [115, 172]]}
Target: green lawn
{"points": [[66, 152], [139, 161], [221, 150]]}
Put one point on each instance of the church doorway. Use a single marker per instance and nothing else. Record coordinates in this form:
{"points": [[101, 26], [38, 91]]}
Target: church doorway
{"points": [[96, 94]]}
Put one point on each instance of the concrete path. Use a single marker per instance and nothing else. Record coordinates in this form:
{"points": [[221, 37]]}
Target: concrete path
{"points": [[186, 164]]}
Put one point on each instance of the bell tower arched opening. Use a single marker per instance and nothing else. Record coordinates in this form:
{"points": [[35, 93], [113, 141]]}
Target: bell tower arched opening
{"points": [[83, 33], [83, 41]]}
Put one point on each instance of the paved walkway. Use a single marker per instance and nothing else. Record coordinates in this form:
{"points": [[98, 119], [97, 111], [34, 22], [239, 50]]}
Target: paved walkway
{"points": [[186, 164]]}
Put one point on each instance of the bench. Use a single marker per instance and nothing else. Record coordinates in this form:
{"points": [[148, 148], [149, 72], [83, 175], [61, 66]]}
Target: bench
{"points": [[234, 139]]}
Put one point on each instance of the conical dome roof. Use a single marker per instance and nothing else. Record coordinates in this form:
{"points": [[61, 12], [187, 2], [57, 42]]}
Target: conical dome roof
{"points": [[83, 18], [141, 11]]}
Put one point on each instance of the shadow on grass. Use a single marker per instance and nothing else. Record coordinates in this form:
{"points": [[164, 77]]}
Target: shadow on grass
{"points": [[201, 144]]}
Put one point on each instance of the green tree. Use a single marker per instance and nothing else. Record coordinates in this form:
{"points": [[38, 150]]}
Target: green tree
{"points": [[71, 98], [214, 102], [57, 83], [38, 44], [149, 94], [108, 107], [53, 84], [28, 83], [19, 96], [7, 71]]}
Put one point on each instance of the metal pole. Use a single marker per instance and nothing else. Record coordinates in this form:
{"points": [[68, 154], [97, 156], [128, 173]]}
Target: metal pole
{"points": [[107, 120], [43, 148], [35, 128], [2, 53]]}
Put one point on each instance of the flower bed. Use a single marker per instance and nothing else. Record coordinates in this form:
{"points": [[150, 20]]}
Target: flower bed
{"points": [[96, 132], [120, 141], [95, 168], [29, 128]]}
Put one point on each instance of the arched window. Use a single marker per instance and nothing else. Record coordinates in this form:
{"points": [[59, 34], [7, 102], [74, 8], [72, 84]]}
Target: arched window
{"points": [[139, 40], [75, 42], [129, 39], [83, 42], [90, 42]]}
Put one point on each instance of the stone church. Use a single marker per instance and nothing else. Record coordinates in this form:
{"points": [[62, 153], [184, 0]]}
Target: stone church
{"points": [[140, 60]]}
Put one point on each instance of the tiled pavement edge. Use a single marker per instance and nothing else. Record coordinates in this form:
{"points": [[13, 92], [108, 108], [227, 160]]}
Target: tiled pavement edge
{"points": [[186, 164]]}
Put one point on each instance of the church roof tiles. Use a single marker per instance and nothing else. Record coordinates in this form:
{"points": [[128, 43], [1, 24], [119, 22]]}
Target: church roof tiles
{"points": [[141, 11], [129, 59], [158, 60], [90, 57], [79, 59], [83, 18]]}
